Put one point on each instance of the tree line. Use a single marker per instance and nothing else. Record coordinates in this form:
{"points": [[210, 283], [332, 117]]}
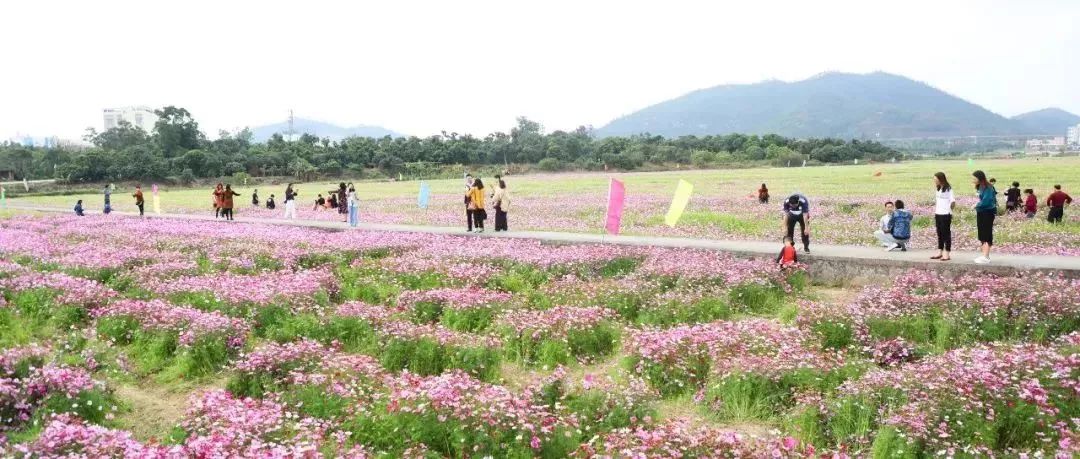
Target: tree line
{"points": [[178, 150]]}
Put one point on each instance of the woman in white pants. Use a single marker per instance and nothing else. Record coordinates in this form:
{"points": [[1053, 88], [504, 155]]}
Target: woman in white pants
{"points": [[290, 202]]}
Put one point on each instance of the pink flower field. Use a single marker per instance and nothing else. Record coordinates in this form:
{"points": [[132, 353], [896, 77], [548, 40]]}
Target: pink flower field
{"points": [[256, 340]]}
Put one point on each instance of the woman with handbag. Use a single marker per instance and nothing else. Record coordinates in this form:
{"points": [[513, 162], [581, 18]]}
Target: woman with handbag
{"points": [[476, 205]]}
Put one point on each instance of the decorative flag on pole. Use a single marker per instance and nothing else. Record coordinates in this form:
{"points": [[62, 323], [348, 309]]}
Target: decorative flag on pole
{"points": [[425, 195], [678, 203], [3, 197], [616, 195], [157, 201], [26, 183]]}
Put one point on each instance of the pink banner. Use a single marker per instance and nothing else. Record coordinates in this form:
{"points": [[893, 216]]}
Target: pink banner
{"points": [[616, 193]]}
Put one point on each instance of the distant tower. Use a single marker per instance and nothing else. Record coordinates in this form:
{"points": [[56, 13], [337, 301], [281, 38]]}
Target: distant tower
{"points": [[291, 133]]}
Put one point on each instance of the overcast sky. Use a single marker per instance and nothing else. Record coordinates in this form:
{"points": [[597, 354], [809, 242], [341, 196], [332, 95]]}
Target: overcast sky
{"points": [[419, 67]]}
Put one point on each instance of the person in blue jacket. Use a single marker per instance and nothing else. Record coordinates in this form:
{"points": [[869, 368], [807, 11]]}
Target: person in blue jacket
{"points": [[900, 227], [79, 208], [985, 213]]}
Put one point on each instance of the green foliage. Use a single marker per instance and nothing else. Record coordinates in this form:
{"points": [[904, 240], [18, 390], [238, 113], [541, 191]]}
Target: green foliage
{"points": [[426, 357], [579, 344], [936, 331], [252, 385], [91, 405], [750, 396], [835, 334], [468, 320], [316, 401], [671, 380], [518, 279], [426, 312], [155, 351], [619, 267], [756, 298], [358, 286], [176, 148], [352, 333], [700, 311], [549, 164]]}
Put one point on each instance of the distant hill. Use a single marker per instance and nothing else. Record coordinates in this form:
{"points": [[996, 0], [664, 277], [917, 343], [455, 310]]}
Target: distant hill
{"points": [[1050, 121], [875, 105], [320, 129]]}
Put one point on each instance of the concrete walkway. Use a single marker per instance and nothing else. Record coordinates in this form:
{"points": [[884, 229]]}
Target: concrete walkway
{"points": [[843, 263]]}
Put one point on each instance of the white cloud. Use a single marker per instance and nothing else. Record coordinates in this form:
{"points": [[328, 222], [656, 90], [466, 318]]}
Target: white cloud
{"points": [[422, 66]]}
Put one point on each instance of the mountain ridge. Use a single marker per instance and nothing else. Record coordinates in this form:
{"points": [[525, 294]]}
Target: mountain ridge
{"points": [[830, 104], [320, 129], [1050, 120]]}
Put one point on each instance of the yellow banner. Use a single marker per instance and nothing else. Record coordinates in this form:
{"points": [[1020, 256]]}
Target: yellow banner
{"points": [[679, 202]]}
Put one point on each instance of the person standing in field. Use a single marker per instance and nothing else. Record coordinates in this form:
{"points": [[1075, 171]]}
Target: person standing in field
{"points": [[944, 203], [985, 213], [1056, 202], [290, 202], [343, 202], [353, 205], [797, 210], [219, 190], [1012, 198], [476, 204], [108, 199], [138, 198], [501, 200], [255, 198], [1031, 203], [468, 207], [227, 202], [763, 194]]}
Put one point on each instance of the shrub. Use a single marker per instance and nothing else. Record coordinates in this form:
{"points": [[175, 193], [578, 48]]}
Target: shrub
{"points": [[549, 165], [558, 335]]}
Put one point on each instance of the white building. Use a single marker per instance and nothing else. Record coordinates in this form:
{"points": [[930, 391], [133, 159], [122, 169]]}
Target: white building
{"points": [[1073, 137], [1051, 145], [139, 116]]}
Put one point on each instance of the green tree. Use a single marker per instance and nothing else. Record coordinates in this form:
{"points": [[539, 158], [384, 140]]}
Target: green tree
{"points": [[176, 132]]}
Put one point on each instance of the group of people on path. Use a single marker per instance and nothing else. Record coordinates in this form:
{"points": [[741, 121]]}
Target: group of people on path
{"points": [[894, 228], [344, 199], [475, 208], [223, 201], [140, 202]]}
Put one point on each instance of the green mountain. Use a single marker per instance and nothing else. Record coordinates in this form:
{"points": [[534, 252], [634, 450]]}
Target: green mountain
{"points": [[875, 105], [1048, 121]]}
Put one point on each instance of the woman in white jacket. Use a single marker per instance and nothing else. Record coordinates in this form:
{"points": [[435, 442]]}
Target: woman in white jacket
{"points": [[354, 205]]}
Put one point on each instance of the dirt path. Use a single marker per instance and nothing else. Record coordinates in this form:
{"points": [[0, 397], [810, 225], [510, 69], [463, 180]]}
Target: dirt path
{"points": [[152, 411]]}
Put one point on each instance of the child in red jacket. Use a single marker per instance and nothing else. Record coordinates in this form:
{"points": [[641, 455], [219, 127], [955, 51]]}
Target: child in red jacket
{"points": [[788, 255], [1031, 203]]}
